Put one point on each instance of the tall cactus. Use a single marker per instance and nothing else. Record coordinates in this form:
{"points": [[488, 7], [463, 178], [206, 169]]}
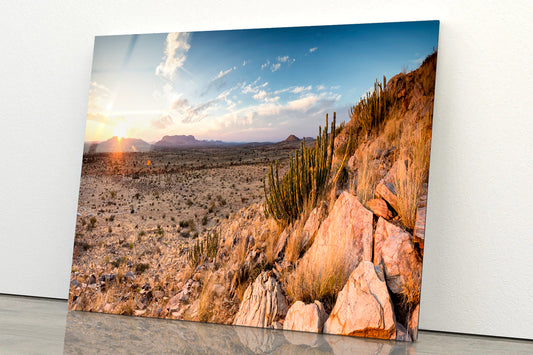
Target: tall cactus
{"points": [[370, 111], [308, 174]]}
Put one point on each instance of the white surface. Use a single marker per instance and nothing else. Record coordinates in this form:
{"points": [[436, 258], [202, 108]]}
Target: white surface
{"points": [[477, 267]]}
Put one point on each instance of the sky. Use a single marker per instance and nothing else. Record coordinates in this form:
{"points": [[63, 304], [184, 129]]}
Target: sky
{"points": [[244, 85]]}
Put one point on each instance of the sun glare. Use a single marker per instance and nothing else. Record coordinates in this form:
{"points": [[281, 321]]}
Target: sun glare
{"points": [[120, 130]]}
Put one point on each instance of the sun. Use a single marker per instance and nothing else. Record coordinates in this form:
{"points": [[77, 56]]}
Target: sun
{"points": [[120, 130]]}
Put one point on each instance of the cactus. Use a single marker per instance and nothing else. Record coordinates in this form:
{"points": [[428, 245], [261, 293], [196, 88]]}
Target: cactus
{"points": [[308, 174], [370, 111], [208, 247]]}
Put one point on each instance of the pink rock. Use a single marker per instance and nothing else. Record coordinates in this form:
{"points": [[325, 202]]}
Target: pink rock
{"points": [[305, 317], [263, 303], [363, 307]]}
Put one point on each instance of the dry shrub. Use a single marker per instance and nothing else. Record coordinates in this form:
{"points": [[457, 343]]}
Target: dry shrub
{"points": [[367, 176], [412, 174], [392, 132], [410, 292], [311, 281], [205, 300]]}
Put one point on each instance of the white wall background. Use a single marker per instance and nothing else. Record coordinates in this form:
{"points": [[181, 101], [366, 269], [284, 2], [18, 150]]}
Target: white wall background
{"points": [[478, 266]]}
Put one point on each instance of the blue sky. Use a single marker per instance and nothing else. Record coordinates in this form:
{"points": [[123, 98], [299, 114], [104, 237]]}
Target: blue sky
{"points": [[244, 85]]}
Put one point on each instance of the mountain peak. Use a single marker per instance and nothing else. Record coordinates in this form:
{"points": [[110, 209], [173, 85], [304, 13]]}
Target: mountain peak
{"points": [[292, 138]]}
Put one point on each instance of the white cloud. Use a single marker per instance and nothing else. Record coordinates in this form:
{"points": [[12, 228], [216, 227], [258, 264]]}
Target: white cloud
{"points": [[244, 63], [311, 50], [275, 67], [299, 89], [266, 64], [321, 87], [303, 104], [177, 46], [223, 73], [162, 122], [253, 87], [260, 95], [283, 59]]}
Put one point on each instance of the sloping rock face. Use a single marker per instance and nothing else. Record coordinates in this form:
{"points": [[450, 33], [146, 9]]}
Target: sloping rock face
{"points": [[306, 317], [347, 230], [413, 323], [395, 251], [363, 307], [263, 303], [312, 224]]}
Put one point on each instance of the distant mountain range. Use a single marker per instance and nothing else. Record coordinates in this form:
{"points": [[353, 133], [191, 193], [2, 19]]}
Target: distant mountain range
{"points": [[126, 145]]}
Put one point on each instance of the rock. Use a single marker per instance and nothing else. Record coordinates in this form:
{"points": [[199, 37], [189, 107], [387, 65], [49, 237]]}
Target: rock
{"points": [[91, 280], [313, 222], [107, 277], [363, 307], [348, 228], [395, 251], [379, 207], [420, 223], [401, 333], [263, 303], [413, 323], [183, 295], [278, 325], [306, 317], [282, 242], [129, 276], [386, 191], [74, 283], [420, 228]]}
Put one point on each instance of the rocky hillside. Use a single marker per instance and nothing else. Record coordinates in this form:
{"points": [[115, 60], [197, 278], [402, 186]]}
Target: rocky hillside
{"points": [[352, 265], [349, 261]]}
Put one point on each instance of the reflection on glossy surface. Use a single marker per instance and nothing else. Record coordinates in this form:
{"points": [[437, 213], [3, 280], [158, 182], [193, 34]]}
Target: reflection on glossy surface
{"points": [[107, 333], [37, 326]]}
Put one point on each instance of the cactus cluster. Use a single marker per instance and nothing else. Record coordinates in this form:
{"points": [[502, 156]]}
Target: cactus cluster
{"points": [[370, 111], [308, 174], [207, 247]]}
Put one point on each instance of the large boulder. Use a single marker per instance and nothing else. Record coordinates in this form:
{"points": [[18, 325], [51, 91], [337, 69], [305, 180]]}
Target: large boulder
{"points": [[363, 307], [305, 317], [317, 215], [263, 303], [345, 233], [395, 251]]}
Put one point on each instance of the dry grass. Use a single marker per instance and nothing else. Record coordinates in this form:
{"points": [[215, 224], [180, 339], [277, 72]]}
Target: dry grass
{"points": [[295, 243], [311, 281], [412, 173], [392, 132], [367, 176], [205, 304], [410, 292]]}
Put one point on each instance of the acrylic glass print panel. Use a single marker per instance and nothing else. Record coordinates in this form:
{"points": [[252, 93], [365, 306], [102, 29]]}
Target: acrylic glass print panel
{"points": [[271, 177]]}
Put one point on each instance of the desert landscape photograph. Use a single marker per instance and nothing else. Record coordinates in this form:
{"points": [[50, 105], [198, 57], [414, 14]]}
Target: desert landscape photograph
{"points": [[273, 178]]}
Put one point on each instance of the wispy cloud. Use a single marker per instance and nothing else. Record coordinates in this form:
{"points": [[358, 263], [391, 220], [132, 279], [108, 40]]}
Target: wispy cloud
{"points": [[283, 59], [275, 67], [223, 73], [163, 122], [311, 50], [266, 64], [177, 46], [244, 63], [300, 89]]}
